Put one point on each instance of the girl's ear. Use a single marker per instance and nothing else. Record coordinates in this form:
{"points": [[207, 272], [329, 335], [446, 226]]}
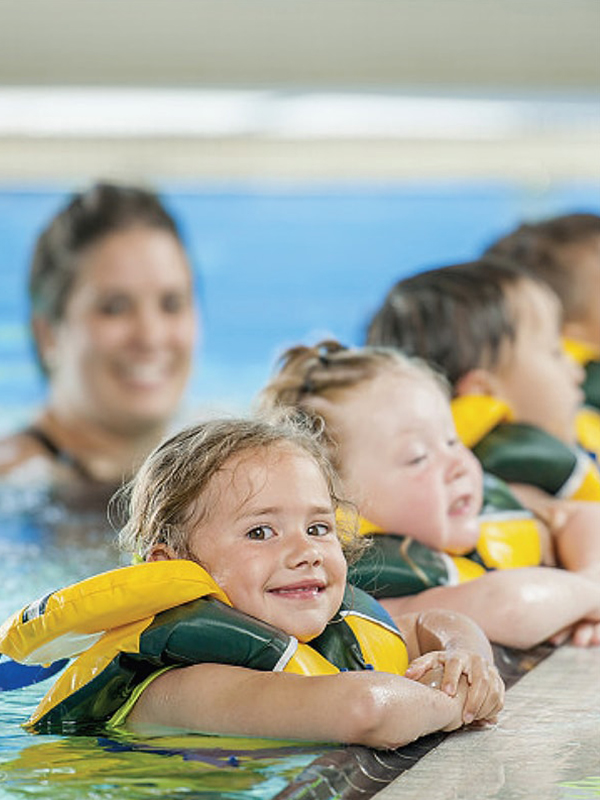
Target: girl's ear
{"points": [[45, 337], [162, 552], [476, 381]]}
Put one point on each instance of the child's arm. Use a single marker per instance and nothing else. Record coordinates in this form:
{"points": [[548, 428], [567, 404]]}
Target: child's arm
{"points": [[454, 642], [515, 607], [577, 541], [376, 709]]}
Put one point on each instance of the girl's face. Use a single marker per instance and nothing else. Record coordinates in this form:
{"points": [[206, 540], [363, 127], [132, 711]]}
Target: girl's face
{"points": [[536, 377], [121, 355], [403, 464], [270, 540]]}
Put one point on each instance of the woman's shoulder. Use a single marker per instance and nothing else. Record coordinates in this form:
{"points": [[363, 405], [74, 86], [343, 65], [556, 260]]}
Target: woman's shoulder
{"points": [[21, 450]]}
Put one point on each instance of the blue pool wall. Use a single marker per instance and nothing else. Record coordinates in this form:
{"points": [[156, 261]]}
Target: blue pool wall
{"points": [[279, 265]]}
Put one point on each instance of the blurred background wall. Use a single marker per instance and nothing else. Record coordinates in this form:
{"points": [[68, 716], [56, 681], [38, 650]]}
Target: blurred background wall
{"points": [[314, 151]]}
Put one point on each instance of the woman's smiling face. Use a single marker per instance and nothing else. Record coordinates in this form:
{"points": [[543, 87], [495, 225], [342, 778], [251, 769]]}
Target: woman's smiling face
{"points": [[122, 353]]}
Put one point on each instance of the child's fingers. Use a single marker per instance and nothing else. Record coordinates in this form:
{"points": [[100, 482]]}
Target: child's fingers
{"points": [[584, 634], [453, 669], [494, 701], [596, 634], [561, 636], [486, 693], [474, 702], [421, 665]]}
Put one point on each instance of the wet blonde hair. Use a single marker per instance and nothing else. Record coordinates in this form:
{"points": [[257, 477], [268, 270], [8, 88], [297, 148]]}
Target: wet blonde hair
{"points": [[171, 488], [310, 380]]}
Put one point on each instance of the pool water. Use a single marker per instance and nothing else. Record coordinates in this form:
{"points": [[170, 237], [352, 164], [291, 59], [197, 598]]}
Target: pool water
{"points": [[126, 768]]}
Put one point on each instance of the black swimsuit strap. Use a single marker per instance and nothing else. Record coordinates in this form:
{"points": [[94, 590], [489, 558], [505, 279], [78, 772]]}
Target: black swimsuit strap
{"points": [[60, 455]]}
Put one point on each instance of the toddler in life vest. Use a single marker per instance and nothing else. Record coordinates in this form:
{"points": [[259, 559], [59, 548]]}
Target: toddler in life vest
{"points": [[495, 332], [253, 504], [564, 251], [418, 490]]}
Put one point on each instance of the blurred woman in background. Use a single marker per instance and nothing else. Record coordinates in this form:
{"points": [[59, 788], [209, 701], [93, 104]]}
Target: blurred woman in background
{"points": [[114, 324]]}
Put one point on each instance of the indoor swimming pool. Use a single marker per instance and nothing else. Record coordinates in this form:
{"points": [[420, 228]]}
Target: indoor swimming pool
{"points": [[278, 267]]}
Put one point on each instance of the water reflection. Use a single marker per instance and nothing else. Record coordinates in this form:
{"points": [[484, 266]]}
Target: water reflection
{"points": [[46, 544], [124, 769]]}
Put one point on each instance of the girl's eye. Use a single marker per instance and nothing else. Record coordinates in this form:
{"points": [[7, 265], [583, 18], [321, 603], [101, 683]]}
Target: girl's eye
{"points": [[452, 441], [174, 303], [114, 306], [318, 529], [415, 460], [260, 533]]}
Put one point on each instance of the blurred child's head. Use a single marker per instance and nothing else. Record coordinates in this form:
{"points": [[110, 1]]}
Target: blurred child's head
{"points": [[391, 436], [254, 503], [492, 330], [564, 251]]}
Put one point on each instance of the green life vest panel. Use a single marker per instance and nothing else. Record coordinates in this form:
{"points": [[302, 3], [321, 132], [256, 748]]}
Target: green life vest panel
{"points": [[591, 384], [520, 453]]}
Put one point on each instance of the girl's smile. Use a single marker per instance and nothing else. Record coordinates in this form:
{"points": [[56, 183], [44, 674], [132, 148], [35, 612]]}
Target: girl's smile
{"points": [[269, 540]]}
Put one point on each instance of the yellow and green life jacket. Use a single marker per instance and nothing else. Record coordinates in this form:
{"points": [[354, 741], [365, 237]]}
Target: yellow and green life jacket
{"points": [[588, 431], [589, 357], [588, 419], [126, 625], [521, 453], [396, 565]]}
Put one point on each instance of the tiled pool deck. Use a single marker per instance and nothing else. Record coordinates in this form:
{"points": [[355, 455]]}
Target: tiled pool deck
{"points": [[546, 745]]}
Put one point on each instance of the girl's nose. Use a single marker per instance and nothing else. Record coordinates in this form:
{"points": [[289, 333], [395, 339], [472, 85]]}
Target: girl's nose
{"points": [[457, 461], [303, 550], [149, 326]]}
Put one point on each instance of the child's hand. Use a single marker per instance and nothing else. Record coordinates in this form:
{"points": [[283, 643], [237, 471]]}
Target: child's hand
{"points": [[444, 670], [585, 633]]}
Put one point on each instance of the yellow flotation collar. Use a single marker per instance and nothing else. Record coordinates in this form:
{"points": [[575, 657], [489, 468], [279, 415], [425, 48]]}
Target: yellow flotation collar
{"points": [[69, 621], [510, 541], [131, 623], [476, 415], [510, 535], [521, 453], [580, 351]]}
